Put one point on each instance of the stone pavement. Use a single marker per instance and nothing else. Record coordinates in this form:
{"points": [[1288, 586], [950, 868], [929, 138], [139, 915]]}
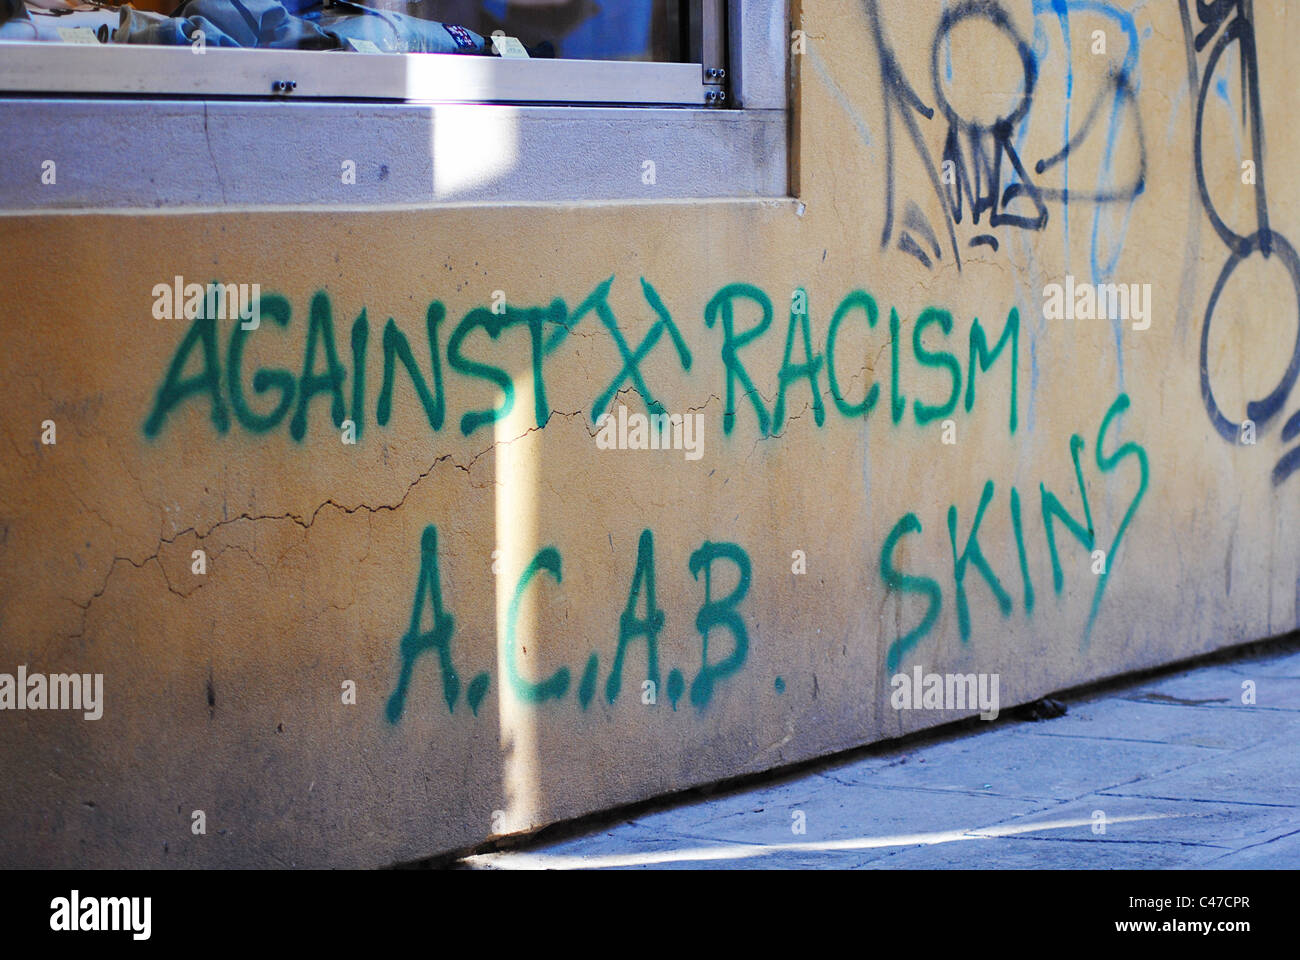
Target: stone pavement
{"points": [[1172, 771]]}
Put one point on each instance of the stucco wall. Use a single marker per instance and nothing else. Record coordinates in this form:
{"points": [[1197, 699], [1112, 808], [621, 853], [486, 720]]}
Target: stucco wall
{"points": [[224, 691]]}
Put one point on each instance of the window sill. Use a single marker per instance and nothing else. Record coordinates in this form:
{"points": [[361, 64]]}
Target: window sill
{"points": [[116, 154]]}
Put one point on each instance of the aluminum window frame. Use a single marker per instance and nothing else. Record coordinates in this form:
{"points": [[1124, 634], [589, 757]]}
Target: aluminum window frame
{"points": [[37, 67]]}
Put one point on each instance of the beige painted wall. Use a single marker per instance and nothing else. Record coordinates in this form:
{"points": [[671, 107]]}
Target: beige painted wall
{"points": [[223, 691]]}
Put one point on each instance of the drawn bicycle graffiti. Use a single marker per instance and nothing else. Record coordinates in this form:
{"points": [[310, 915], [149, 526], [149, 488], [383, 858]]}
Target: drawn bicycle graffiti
{"points": [[1235, 19]]}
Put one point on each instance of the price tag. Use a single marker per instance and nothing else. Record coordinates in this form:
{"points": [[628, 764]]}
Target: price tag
{"points": [[363, 46], [509, 47], [77, 35]]}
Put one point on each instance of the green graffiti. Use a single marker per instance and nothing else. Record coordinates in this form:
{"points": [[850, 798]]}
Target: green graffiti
{"points": [[858, 299], [535, 319], [548, 327], [493, 324], [274, 396], [320, 329], [478, 688], [792, 372], [904, 583], [360, 337], [985, 358], [397, 347], [632, 360], [174, 389], [714, 613], [676, 687], [973, 554], [719, 613], [722, 303], [587, 688], [1053, 510], [557, 684], [942, 358], [630, 626], [1106, 465], [1020, 550], [278, 310], [416, 641], [897, 402]]}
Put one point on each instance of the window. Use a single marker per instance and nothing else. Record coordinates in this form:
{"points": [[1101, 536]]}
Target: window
{"points": [[162, 126], [519, 51]]}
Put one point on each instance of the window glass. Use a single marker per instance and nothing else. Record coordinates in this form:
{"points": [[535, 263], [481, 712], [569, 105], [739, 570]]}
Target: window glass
{"points": [[645, 30]]}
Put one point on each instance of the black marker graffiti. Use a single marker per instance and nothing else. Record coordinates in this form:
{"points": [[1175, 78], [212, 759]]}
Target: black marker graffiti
{"points": [[969, 174], [1235, 17]]}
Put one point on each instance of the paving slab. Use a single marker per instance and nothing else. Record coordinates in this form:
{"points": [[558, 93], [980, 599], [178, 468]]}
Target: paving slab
{"points": [[1017, 763], [1101, 818], [1282, 853], [822, 809], [1276, 687], [1030, 854], [1285, 665], [1126, 719], [1267, 774]]}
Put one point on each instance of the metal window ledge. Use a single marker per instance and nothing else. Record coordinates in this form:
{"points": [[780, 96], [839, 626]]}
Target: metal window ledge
{"points": [[180, 154]]}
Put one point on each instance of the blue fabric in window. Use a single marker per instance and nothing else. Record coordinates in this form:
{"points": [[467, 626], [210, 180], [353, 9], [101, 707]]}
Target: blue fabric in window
{"points": [[269, 24], [618, 31]]}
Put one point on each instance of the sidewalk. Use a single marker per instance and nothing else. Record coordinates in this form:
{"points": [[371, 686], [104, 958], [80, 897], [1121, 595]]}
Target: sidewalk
{"points": [[1169, 772]]}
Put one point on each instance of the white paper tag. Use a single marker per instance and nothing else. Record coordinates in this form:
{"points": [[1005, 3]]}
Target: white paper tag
{"points": [[77, 35], [509, 47], [363, 46]]}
